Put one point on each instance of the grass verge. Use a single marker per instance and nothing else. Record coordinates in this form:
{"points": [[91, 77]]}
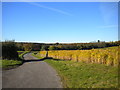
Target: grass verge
{"points": [[37, 55], [82, 75], [21, 55], [8, 64]]}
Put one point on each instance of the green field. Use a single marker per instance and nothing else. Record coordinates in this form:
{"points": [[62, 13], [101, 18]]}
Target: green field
{"points": [[84, 75]]}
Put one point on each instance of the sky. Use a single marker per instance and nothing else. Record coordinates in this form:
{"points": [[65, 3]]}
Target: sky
{"points": [[63, 22]]}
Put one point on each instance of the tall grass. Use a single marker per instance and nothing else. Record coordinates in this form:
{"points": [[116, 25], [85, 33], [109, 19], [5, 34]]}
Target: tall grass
{"points": [[108, 56]]}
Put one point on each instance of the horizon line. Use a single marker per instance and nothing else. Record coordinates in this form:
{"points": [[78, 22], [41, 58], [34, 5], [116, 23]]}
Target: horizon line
{"points": [[58, 42]]}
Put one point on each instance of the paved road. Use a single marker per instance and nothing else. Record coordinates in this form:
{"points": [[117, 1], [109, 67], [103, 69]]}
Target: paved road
{"points": [[32, 74]]}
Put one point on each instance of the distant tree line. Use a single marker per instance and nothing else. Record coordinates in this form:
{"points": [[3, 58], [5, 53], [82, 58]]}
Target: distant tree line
{"points": [[26, 46], [80, 46]]}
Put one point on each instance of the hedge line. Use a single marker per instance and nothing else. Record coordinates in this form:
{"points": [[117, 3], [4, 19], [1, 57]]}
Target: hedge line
{"points": [[9, 51], [108, 56]]}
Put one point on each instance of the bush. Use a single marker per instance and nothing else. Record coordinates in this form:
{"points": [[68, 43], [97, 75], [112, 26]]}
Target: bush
{"points": [[44, 47], [28, 46], [9, 50]]}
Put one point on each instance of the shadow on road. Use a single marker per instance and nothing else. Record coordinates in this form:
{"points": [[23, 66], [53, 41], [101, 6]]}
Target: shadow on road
{"points": [[31, 60], [36, 60]]}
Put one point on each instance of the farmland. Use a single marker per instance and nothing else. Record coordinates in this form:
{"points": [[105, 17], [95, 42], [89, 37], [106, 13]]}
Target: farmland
{"points": [[58, 44], [108, 56], [85, 68], [82, 72]]}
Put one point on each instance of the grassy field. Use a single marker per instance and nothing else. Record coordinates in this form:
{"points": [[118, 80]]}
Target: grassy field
{"points": [[84, 75]]}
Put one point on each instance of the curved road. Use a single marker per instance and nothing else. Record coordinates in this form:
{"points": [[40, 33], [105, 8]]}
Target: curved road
{"points": [[32, 74]]}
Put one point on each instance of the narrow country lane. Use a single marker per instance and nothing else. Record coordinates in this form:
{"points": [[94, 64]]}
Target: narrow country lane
{"points": [[32, 74]]}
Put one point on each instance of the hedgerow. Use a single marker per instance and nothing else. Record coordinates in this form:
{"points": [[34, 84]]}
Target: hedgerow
{"points": [[9, 50]]}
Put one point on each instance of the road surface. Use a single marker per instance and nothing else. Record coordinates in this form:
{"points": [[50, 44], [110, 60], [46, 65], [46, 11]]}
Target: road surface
{"points": [[32, 74]]}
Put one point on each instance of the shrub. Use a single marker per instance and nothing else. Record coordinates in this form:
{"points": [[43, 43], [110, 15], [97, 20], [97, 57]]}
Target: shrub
{"points": [[28, 46], [45, 47], [9, 50]]}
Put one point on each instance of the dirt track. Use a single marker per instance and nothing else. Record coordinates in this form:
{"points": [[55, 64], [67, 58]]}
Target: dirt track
{"points": [[32, 74]]}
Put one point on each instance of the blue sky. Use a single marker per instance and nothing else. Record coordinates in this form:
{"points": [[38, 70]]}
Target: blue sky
{"points": [[64, 22]]}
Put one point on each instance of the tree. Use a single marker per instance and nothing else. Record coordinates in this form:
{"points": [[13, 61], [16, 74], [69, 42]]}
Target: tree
{"points": [[20, 46], [98, 41], [9, 50], [52, 48], [36, 47], [57, 43], [28, 46], [44, 47], [60, 47]]}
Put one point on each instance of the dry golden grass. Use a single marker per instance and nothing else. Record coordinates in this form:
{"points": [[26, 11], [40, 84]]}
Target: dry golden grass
{"points": [[108, 56]]}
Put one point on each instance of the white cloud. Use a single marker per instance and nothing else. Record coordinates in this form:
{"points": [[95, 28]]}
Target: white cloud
{"points": [[52, 9]]}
